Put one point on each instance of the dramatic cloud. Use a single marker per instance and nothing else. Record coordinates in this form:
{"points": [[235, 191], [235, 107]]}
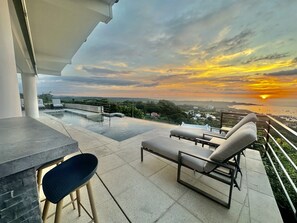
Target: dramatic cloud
{"points": [[283, 73], [96, 81], [274, 56], [101, 71], [187, 49], [148, 85], [93, 81], [234, 44]]}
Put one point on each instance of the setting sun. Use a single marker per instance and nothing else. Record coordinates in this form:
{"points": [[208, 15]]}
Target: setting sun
{"points": [[264, 96]]}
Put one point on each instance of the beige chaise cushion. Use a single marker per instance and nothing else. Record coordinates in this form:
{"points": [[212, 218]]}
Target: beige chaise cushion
{"points": [[169, 148], [189, 133], [243, 137], [193, 133], [251, 117]]}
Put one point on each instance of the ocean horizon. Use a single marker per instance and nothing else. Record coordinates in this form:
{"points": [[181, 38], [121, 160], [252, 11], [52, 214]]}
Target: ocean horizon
{"points": [[269, 109]]}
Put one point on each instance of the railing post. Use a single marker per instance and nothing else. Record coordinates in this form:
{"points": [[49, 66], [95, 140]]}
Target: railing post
{"points": [[267, 137], [221, 122]]}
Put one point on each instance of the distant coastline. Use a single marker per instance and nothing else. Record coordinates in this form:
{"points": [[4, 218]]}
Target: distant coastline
{"points": [[197, 103], [221, 105], [217, 104], [271, 110]]}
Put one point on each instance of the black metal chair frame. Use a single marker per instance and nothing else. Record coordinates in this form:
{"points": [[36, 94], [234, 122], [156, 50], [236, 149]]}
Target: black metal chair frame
{"points": [[202, 140], [232, 176], [231, 166], [215, 145], [184, 137]]}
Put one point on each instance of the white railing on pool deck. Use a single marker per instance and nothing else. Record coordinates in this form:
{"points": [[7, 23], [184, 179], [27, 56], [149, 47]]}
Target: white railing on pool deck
{"points": [[90, 108]]}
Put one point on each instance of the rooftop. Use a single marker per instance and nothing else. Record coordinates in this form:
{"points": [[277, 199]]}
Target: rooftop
{"points": [[149, 192]]}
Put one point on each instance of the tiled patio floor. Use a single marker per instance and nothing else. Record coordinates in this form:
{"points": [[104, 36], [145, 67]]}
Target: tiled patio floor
{"points": [[148, 191]]}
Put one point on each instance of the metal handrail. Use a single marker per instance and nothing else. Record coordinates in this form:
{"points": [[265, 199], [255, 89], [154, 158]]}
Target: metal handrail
{"points": [[270, 144], [282, 150], [283, 168], [281, 183], [237, 114], [288, 141], [283, 126], [269, 137]]}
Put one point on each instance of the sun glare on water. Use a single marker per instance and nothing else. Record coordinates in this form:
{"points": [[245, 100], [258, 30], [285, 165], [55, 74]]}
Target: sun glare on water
{"points": [[264, 96]]}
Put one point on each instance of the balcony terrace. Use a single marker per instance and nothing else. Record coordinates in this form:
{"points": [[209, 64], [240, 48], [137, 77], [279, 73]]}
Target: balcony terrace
{"points": [[41, 37], [149, 192]]}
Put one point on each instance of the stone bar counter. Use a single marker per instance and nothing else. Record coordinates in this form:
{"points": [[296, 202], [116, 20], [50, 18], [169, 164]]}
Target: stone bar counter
{"points": [[26, 144]]}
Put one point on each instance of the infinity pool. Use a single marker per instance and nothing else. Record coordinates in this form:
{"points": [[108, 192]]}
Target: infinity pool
{"points": [[115, 128]]}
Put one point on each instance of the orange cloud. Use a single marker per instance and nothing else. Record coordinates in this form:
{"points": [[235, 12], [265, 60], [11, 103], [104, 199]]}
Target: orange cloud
{"points": [[275, 87]]}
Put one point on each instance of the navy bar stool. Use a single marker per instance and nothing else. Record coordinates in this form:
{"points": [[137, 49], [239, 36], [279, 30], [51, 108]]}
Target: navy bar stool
{"points": [[39, 176], [67, 177]]}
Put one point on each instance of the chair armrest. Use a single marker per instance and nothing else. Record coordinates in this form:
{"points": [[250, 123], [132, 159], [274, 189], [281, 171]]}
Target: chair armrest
{"points": [[204, 159], [211, 128], [214, 135], [206, 142], [225, 129]]}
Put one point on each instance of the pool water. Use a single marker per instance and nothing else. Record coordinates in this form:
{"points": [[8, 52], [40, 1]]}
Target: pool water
{"points": [[115, 128]]}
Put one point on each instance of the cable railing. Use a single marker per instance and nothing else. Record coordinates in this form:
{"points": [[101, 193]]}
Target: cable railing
{"points": [[277, 144], [281, 151]]}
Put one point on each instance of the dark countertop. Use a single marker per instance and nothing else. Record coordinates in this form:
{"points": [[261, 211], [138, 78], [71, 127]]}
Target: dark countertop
{"points": [[26, 143]]}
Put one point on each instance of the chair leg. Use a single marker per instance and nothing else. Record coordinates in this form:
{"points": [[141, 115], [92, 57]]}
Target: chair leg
{"points": [[141, 154], [72, 201], [78, 202], [45, 210], [92, 203], [39, 178], [59, 211], [179, 167], [231, 187]]}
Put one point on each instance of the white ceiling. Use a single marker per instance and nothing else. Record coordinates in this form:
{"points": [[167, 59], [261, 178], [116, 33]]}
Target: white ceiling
{"points": [[57, 28]]}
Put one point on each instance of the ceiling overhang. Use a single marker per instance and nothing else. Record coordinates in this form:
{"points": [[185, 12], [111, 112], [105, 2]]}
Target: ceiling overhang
{"points": [[47, 33]]}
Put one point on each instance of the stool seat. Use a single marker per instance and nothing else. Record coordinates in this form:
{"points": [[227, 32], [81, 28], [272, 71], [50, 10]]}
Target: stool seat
{"points": [[68, 176]]}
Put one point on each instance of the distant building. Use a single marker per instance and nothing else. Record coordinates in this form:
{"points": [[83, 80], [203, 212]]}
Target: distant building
{"points": [[211, 117], [198, 115], [191, 112], [155, 115], [210, 107]]}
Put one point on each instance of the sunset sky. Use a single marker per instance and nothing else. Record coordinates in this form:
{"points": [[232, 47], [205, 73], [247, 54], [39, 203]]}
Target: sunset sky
{"points": [[230, 50]]}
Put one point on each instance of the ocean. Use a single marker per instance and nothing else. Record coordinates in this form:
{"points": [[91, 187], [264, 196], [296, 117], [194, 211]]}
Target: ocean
{"points": [[273, 110]]}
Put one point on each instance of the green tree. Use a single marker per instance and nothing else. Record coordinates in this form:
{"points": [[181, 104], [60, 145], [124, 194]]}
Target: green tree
{"points": [[151, 107], [172, 112], [46, 97]]}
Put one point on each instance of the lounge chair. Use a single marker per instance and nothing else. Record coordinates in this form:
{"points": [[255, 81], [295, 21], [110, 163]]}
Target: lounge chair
{"points": [[40, 104], [215, 164], [208, 137], [57, 103]]}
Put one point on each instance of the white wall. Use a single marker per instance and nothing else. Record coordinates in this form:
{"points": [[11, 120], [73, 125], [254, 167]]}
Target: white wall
{"points": [[10, 105]]}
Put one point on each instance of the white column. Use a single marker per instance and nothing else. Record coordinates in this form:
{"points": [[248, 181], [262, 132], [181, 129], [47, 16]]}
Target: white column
{"points": [[10, 105], [30, 95]]}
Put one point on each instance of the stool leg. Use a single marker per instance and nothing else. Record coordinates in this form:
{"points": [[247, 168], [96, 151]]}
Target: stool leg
{"points": [[39, 177], [78, 201], [59, 211], [72, 201], [45, 210], [91, 198]]}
